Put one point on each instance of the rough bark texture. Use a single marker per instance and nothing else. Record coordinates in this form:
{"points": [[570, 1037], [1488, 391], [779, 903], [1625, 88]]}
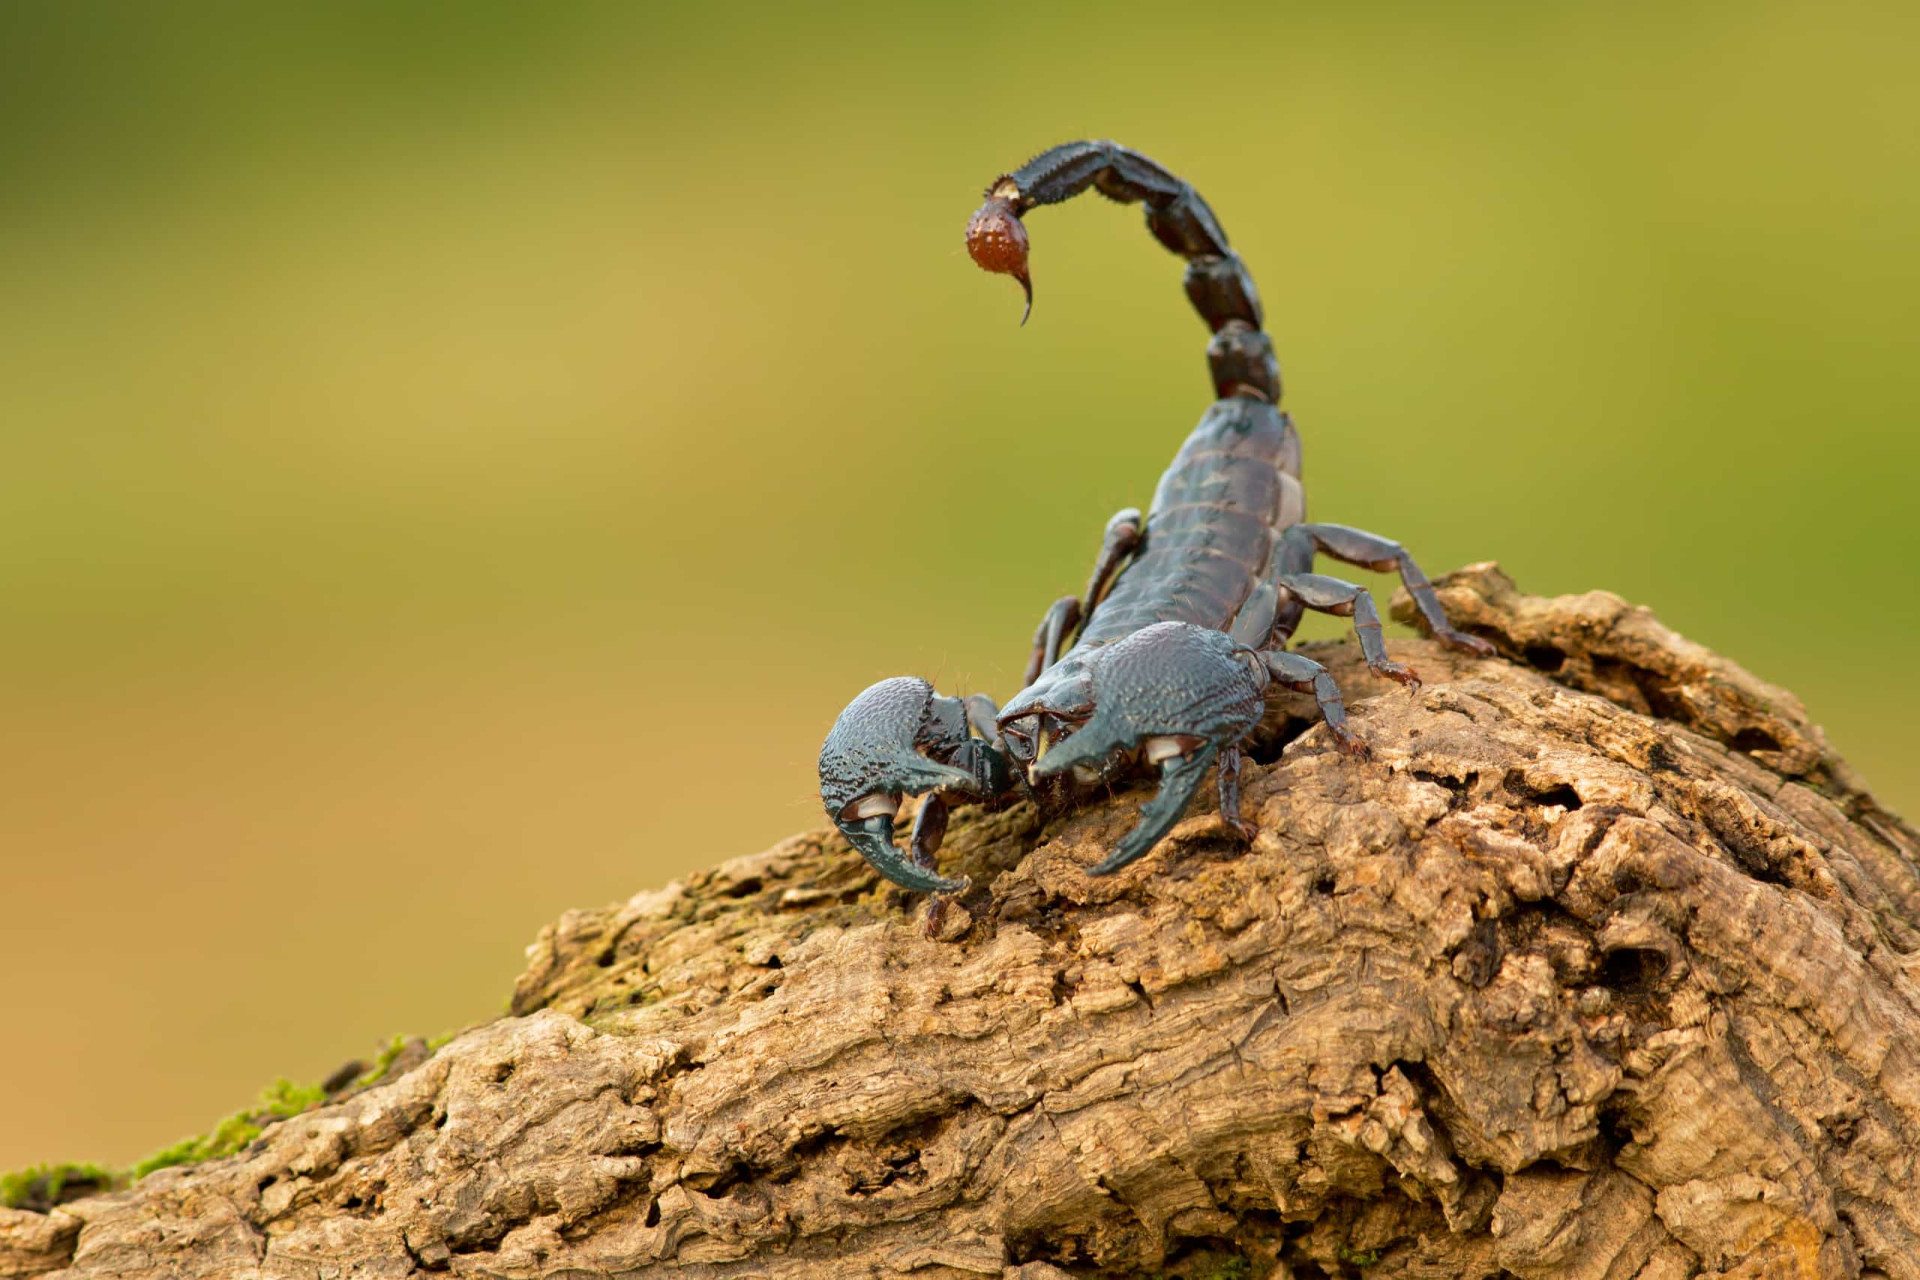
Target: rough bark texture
{"points": [[1603, 966]]}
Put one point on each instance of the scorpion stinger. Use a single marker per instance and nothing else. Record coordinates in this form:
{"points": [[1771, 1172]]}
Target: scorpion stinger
{"points": [[1186, 619], [998, 242]]}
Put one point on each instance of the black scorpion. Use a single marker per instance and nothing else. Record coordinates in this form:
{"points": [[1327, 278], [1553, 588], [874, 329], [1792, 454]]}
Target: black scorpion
{"points": [[1167, 657]]}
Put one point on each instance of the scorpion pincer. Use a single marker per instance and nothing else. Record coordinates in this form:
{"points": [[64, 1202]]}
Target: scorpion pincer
{"points": [[1166, 657]]}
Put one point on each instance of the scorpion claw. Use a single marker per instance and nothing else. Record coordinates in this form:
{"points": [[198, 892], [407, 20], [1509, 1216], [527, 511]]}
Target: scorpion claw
{"points": [[872, 838], [900, 738], [1180, 778], [1176, 693]]}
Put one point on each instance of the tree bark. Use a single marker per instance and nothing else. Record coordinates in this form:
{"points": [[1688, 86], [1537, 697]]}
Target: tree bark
{"points": [[1604, 965]]}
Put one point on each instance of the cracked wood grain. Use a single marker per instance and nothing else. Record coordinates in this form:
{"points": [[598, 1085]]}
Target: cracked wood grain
{"points": [[1605, 966]]}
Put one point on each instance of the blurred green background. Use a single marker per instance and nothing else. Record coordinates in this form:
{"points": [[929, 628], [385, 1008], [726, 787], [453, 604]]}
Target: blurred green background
{"points": [[455, 462]]}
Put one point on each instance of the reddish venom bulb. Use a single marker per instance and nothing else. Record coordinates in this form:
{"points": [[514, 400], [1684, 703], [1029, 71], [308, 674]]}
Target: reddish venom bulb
{"points": [[998, 242]]}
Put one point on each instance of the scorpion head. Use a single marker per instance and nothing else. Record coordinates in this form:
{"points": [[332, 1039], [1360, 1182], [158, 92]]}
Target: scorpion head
{"points": [[900, 738], [1171, 695], [1048, 712]]}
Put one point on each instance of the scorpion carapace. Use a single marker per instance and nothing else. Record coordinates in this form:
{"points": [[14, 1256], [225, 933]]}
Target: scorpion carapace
{"points": [[1165, 659]]}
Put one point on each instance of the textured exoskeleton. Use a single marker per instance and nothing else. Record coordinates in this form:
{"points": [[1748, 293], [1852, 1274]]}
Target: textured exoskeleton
{"points": [[1166, 658]]}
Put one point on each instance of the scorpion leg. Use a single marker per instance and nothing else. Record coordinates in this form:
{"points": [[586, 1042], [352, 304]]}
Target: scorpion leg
{"points": [[1229, 779], [929, 830], [1347, 599], [1056, 627], [1061, 617], [1383, 555], [1298, 672], [1121, 539]]}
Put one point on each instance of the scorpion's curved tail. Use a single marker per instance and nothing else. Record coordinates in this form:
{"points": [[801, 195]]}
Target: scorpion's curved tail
{"points": [[1240, 355]]}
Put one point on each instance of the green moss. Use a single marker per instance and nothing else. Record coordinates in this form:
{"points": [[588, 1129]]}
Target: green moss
{"points": [[278, 1100], [285, 1098], [1231, 1269], [46, 1185], [381, 1064], [1362, 1258]]}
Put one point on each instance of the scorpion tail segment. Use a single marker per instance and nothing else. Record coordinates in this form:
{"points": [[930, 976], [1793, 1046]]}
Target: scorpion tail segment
{"points": [[997, 241], [1240, 357], [1063, 172], [1180, 778], [873, 838]]}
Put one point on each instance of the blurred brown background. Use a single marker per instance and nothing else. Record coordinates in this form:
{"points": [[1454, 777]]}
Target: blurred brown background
{"points": [[455, 462]]}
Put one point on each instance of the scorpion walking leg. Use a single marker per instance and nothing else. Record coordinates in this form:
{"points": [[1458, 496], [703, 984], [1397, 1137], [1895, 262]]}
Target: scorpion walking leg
{"points": [[1120, 540], [1384, 555], [1298, 672], [1061, 617], [1057, 626], [929, 829], [1229, 778], [1347, 599]]}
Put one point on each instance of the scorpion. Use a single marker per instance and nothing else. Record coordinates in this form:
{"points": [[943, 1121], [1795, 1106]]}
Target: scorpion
{"points": [[1165, 659]]}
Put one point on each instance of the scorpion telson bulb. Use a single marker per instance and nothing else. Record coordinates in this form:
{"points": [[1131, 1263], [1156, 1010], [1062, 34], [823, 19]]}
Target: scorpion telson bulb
{"points": [[997, 241]]}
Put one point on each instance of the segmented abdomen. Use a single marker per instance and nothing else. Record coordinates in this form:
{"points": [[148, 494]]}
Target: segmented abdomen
{"points": [[1221, 505]]}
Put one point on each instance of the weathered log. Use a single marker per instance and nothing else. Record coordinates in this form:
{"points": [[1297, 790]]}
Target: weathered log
{"points": [[1603, 966]]}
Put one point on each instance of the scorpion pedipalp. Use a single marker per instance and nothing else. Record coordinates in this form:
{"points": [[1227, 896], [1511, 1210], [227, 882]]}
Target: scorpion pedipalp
{"points": [[1176, 693], [901, 738], [1180, 779]]}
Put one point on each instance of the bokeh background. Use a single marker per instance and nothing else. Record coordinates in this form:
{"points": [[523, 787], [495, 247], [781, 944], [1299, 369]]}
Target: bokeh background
{"points": [[455, 462]]}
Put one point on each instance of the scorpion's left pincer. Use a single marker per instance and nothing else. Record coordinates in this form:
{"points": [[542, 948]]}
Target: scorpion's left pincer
{"points": [[900, 738]]}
